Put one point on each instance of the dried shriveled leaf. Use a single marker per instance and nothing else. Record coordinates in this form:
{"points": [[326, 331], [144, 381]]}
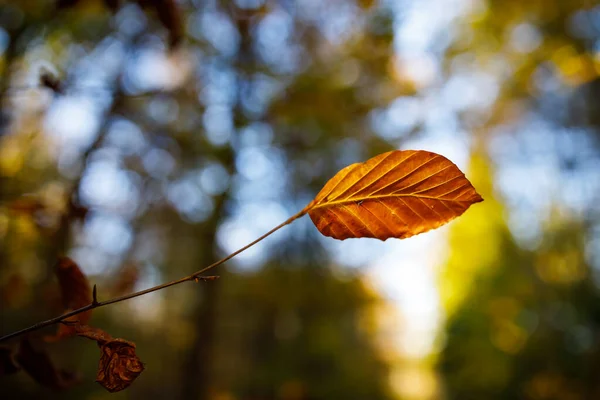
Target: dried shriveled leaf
{"points": [[96, 334], [393, 195], [119, 366], [8, 365], [39, 365], [76, 293]]}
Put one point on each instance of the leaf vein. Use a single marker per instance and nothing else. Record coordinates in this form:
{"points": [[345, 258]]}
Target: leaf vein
{"points": [[407, 174], [342, 222], [393, 212], [383, 222], [410, 208], [430, 187], [454, 190], [355, 215], [370, 170], [442, 218], [385, 196], [340, 181]]}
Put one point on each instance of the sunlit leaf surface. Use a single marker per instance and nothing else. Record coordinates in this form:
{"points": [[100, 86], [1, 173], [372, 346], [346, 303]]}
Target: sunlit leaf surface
{"points": [[393, 195]]}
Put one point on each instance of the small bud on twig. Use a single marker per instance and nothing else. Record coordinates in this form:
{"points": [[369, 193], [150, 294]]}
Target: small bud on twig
{"points": [[94, 296], [206, 278]]}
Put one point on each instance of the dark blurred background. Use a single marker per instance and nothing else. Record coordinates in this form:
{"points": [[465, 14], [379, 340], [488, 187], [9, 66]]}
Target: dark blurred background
{"points": [[148, 138]]}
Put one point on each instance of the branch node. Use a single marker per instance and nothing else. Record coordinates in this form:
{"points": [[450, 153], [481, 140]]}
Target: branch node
{"points": [[206, 278], [195, 277], [94, 297]]}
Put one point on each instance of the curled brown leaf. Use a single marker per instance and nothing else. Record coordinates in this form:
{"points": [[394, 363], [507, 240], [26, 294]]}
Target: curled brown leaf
{"points": [[119, 366]]}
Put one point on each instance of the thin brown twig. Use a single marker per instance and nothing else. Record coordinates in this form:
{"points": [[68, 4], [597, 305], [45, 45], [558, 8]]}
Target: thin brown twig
{"points": [[193, 277]]}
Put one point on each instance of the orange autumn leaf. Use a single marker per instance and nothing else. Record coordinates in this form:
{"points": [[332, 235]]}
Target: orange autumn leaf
{"points": [[397, 194]]}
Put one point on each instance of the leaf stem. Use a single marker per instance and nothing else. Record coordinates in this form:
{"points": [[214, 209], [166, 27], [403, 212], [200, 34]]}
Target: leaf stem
{"points": [[193, 277]]}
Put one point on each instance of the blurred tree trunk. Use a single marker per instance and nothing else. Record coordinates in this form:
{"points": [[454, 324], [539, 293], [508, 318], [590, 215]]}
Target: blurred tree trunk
{"points": [[198, 367]]}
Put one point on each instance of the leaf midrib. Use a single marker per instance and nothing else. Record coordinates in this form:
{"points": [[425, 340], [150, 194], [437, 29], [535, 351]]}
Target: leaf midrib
{"points": [[358, 199]]}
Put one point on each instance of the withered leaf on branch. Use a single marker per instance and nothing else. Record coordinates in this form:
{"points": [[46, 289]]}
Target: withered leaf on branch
{"points": [[96, 334], [397, 194], [119, 366], [39, 365], [74, 286], [75, 292], [7, 361]]}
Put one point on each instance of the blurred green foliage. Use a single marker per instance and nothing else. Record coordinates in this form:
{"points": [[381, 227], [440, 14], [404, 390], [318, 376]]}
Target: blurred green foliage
{"points": [[526, 322], [523, 318]]}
